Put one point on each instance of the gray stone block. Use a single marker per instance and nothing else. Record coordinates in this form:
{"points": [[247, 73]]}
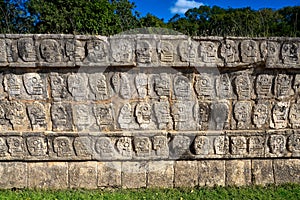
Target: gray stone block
{"points": [[238, 172], [109, 174], [83, 175], [134, 174], [48, 175], [13, 175], [287, 171], [161, 174], [262, 172], [211, 173], [186, 174]]}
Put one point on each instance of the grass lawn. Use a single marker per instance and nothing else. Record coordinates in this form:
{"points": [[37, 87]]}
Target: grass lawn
{"points": [[289, 191]]}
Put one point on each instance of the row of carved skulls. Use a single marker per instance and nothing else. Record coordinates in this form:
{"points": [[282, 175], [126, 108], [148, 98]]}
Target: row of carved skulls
{"points": [[95, 86], [145, 50], [158, 146]]}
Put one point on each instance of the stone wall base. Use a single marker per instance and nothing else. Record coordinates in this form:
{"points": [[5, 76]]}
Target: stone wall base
{"points": [[150, 174]]}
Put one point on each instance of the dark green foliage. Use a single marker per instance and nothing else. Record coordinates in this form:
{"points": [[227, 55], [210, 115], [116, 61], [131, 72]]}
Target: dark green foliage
{"points": [[288, 191], [109, 17]]}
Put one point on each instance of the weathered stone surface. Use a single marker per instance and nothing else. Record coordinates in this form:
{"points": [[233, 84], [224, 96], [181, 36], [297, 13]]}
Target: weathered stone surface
{"points": [[110, 174], [186, 173], [13, 175], [211, 173], [262, 172], [161, 174], [48, 175], [150, 98], [286, 171], [83, 175], [134, 174], [238, 172]]}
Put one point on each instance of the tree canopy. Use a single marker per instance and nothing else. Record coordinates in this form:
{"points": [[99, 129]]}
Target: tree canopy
{"points": [[108, 17]]}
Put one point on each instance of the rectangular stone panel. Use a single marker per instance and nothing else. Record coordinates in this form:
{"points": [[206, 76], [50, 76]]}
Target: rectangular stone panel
{"points": [[134, 174], [83, 175], [109, 174], [286, 171], [161, 174], [238, 172], [186, 173], [211, 173], [13, 175], [262, 172], [48, 175]]}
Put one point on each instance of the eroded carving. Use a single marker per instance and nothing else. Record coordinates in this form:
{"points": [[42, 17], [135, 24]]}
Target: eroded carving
{"points": [[37, 146], [124, 146], [61, 115], [37, 116], [263, 85], [104, 116], [221, 145], [208, 52], [58, 84], [141, 84], [16, 146], [238, 145], [280, 115], [294, 143], [63, 146], [26, 49], [223, 87], [229, 51], [143, 52], [97, 51], [180, 145], [260, 115], [256, 145], [34, 84], [187, 51], [143, 115], [125, 90], [249, 51], [160, 146], [162, 85], [277, 144], [243, 87], [289, 53], [182, 87], [242, 114], [142, 146], [98, 85], [13, 85], [166, 52], [163, 115], [294, 115], [17, 116], [202, 145], [204, 86], [122, 52], [220, 114], [83, 146], [77, 86], [50, 51], [104, 147], [283, 84]]}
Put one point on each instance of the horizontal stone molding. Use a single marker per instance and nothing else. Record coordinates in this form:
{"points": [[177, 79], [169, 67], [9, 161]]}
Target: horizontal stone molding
{"points": [[149, 174], [145, 50], [139, 146]]}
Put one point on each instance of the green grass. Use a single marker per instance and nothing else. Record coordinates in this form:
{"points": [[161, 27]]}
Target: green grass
{"points": [[289, 191]]}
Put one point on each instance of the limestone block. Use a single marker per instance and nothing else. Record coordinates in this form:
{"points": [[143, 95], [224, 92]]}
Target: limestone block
{"points": [[109, 174], [238, 172], [262, 172], [48, 175], [186, 174], [134, 174], [83, 175], [211, 172], [286, 171], [13, 175], [161, 174]]}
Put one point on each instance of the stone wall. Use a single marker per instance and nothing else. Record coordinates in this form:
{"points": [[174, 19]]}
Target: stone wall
{"points": [[148, 111]]}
